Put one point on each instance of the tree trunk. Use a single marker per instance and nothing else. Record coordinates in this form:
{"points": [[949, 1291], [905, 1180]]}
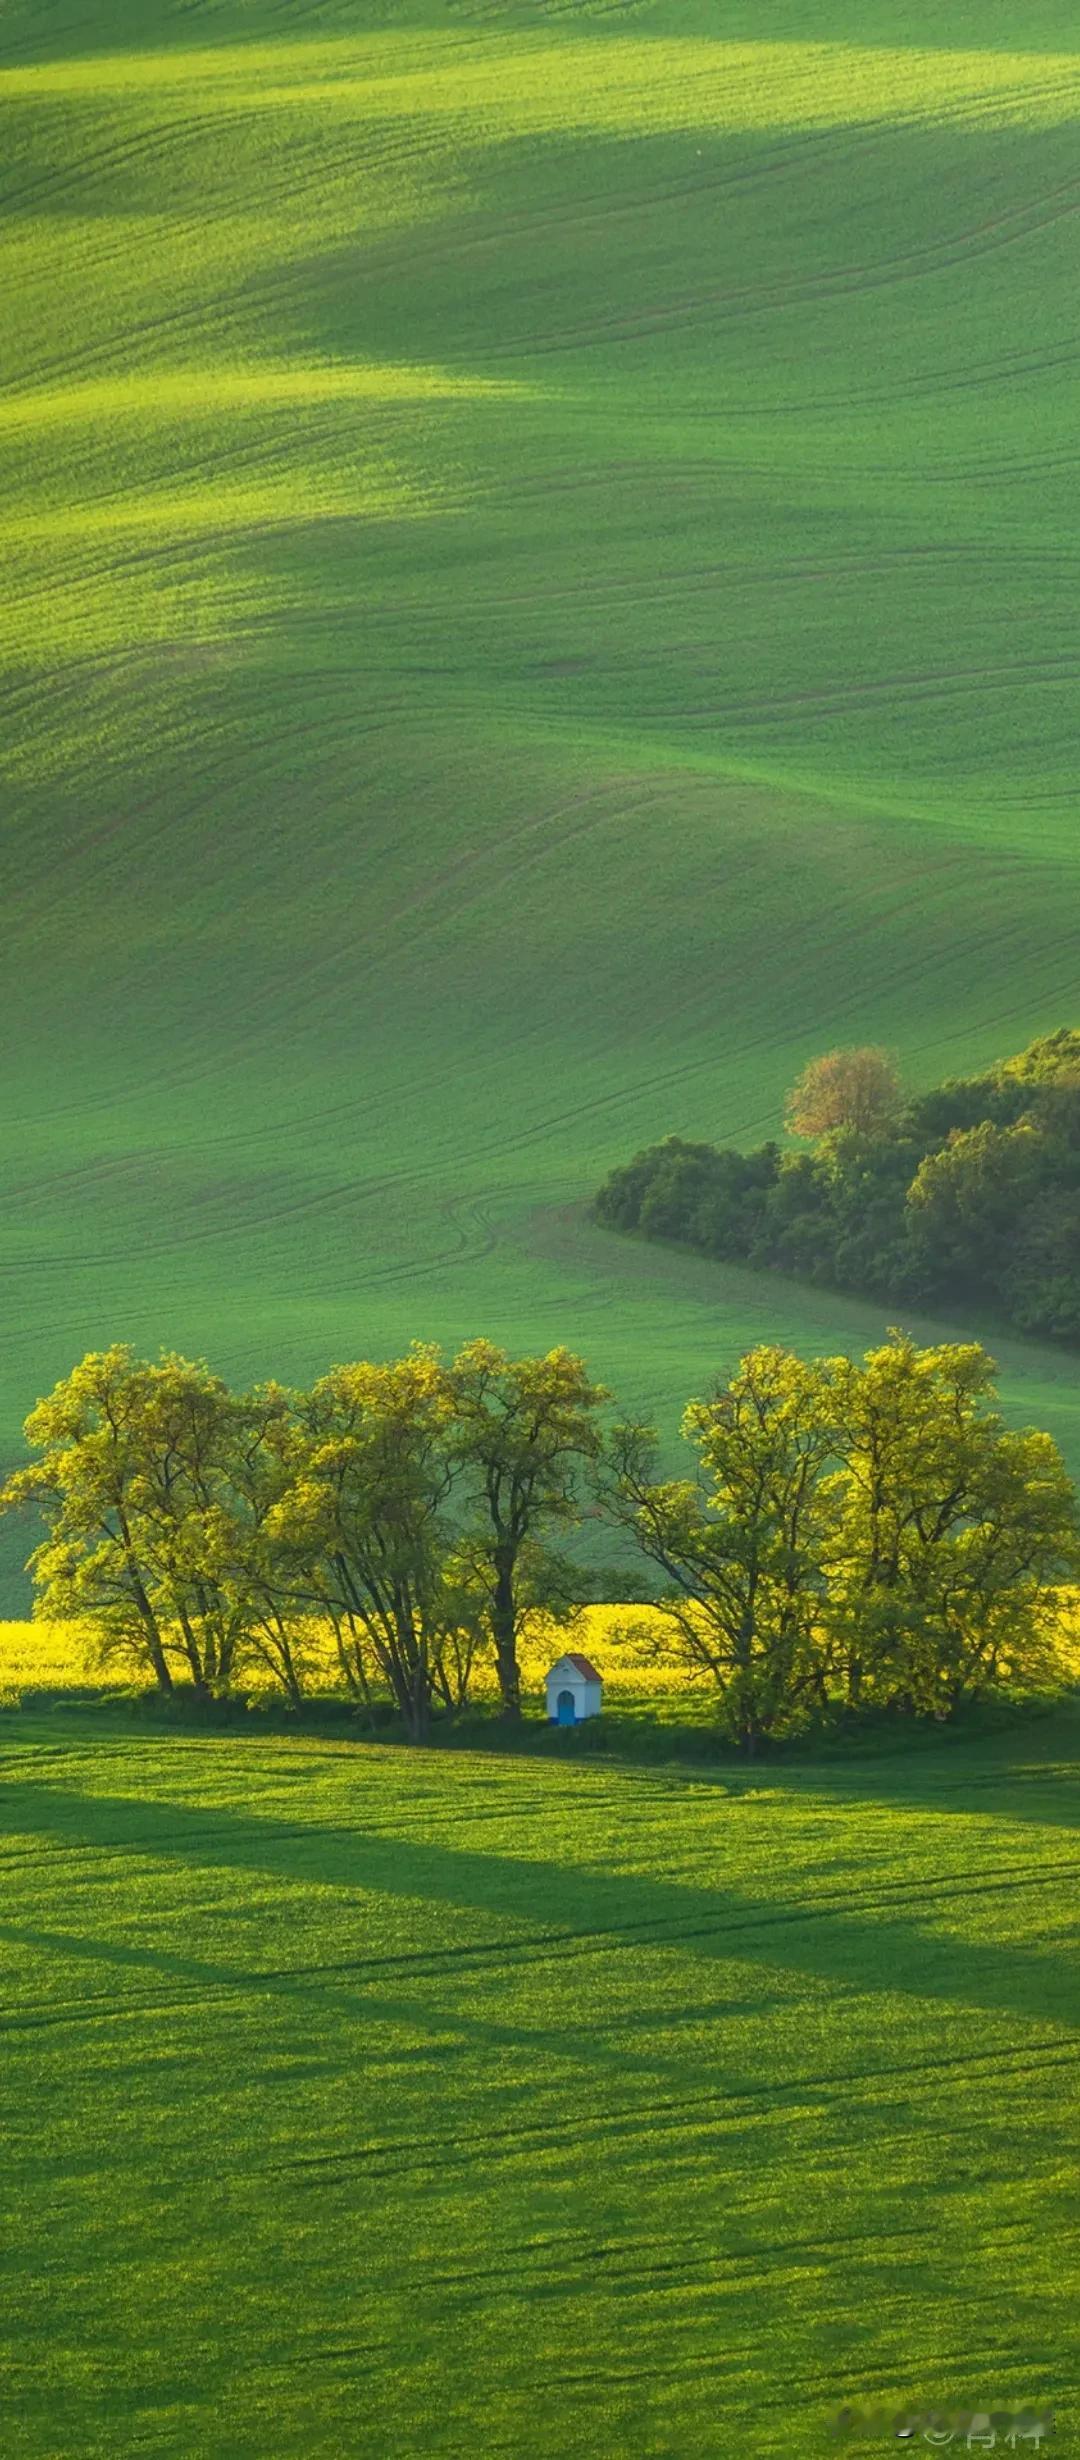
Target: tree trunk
{"points": [[288, 1675], [406, 1665], [199, 1684], [225, 1663], [147, 1617], [504, 1633], [158, 1660], [418, 1717]]}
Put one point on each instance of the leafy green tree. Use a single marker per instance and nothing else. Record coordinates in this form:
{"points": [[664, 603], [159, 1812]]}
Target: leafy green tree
{"points": [[692, 1192], [970, 1188], [263, 1581], [132, 1483], [365, 1513], [1045, 1061], [525, 1431], [95, 1562], [1040, 1282], [871, 1523], [187, 1424], [953, 1537], [743, 1543], [965, 1201], [155, 1483]]}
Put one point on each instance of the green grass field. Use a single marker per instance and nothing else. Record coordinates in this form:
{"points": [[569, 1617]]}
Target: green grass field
{"points": [[359, 2105], [540, 588]]}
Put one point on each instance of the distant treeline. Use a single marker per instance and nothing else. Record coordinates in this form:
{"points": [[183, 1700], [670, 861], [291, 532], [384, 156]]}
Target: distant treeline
{"points": [[968, 1194], [843, 1537]]}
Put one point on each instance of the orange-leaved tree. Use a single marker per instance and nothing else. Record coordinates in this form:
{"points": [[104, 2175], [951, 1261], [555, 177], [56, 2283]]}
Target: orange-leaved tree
{"points": [[858, 1088]]}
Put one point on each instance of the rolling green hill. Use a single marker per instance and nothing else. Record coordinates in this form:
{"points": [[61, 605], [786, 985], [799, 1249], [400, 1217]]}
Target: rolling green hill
{"points": [[339, 2118], [540, 588]]}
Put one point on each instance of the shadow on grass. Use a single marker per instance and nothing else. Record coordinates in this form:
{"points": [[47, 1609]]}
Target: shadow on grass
{"points": [[883, 1936], [1033, 1740]]}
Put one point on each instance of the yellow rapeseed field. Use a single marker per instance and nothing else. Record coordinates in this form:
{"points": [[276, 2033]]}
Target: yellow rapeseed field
{"points": [[630, 1645]]}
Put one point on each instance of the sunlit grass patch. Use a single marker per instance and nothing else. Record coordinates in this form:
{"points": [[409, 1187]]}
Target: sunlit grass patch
{"points": [[72, 589], [503, 86], [211, 391], [191, 512]]}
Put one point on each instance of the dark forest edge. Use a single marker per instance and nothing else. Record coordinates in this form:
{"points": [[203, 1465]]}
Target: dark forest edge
{"points": [[968, 1195], [849, 1545]]}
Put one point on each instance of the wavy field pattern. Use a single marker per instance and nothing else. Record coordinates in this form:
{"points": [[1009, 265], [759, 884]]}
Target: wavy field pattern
{"points": [[540, 588]]}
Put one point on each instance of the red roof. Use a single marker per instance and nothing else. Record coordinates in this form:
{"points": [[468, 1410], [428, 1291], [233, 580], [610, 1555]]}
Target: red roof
{"points": [[584, 1666]]}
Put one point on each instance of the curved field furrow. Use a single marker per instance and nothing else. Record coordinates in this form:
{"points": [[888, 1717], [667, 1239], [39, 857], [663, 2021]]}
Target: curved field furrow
{"points": [[753, 300], [428, 783]]}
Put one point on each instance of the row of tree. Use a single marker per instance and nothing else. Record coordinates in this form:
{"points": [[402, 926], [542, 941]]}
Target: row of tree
{"points": [[413, 1507], [967, 1193], [867, 1534]]}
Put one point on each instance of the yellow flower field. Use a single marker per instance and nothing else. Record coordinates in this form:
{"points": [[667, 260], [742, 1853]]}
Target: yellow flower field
{"points": [[622, 1640], [631, 1645]]}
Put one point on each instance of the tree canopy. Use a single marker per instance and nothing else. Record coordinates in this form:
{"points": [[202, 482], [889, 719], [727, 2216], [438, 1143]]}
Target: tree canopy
{"points": [[847, 1536], [857, 1089], [968, 1194], [411, 1505], [869, 1532], [525, 1432]]}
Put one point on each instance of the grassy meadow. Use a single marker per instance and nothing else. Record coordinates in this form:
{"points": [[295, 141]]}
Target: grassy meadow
{"points": [[356, 2103], [539, 589]]}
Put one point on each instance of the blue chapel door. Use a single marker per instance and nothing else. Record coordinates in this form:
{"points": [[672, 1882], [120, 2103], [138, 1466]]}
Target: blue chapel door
{"points": [[564, 1708]]}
